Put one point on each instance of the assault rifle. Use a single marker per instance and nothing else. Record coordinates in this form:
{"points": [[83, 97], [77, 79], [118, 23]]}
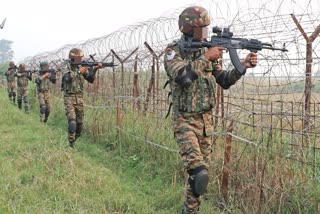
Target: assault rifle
{"points": [[27, 73], [91, 65], [12, 70], [52, 72], [223, 38]]}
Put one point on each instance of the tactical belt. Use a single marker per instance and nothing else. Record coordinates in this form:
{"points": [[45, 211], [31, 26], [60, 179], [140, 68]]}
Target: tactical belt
{"points": [[190, 114]]}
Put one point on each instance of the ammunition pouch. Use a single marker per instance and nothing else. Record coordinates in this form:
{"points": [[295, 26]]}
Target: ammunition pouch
{"points": [[66, 78]]}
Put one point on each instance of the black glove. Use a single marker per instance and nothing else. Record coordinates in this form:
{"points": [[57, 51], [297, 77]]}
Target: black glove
{"points": [[186, 76]]}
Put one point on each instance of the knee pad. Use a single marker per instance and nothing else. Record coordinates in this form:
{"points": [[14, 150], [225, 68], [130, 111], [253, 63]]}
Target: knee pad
{"points": [[72, 126], [198, 180], [43, 109], [14, 94], [25, 99], [10, 94]]}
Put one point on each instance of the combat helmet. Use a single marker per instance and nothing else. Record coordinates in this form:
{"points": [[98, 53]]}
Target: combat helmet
{"points": [[75, 55], [193, 17], [22, 67], [11, 64], [44, 65]]}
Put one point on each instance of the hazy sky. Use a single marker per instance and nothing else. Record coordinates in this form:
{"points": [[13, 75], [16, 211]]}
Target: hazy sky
{"points": [[38, 26]]}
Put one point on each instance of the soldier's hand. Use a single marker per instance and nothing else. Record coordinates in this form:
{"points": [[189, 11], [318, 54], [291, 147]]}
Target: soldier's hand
{"points": [[83, 70], [214, 53], [47, 75], [100, 65], [250, 61]]}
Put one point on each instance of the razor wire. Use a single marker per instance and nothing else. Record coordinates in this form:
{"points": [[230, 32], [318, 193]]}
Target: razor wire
{"points": [[266, 106], [276, 78], [260, 22]]}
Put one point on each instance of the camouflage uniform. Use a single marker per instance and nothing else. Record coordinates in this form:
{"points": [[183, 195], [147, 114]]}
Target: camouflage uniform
{"points": [[11, 83], [192, 110], [43, 89], [22, 81], [73, 86]]}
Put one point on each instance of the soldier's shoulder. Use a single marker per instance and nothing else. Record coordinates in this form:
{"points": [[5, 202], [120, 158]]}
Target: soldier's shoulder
{"points": [[173, 45]]}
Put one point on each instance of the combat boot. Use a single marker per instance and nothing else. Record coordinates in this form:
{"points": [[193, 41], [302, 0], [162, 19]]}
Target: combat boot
{"points": [[46, 116], [71, 144], [185, 210], [19, 104], [26, 108], [79, 130]]}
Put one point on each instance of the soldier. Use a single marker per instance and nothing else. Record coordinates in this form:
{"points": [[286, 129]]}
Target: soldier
{"points": [[73, 86], [193, 77], [43, 88], [23, 76], [11, 83]]}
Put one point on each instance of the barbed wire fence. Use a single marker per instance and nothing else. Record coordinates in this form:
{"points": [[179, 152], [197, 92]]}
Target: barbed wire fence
{"points": [[274, 107]]}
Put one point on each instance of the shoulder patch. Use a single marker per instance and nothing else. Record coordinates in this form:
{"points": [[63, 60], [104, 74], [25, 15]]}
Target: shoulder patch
{"points": [[170, 55]]}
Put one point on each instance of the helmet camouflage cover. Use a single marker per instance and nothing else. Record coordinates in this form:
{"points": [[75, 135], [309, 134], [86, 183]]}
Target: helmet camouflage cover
{"points": [[11, 63], [75, 55], [193, 17], [44, 65], [75, 51], [22, 67]]}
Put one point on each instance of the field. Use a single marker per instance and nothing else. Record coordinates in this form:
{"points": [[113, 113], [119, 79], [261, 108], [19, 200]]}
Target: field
{"points": [[127, 160]]}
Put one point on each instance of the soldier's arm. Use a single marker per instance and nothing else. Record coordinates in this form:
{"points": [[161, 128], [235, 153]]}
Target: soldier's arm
{"points": [[175, 65], [173, 61], [88, 77], [225, 78], [8, 72], [44, 76], [86, 74], [228, 78]]}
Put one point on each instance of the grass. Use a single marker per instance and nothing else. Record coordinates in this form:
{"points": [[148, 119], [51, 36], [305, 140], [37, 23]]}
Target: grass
{"points": [[112, 172], [41, 174]]}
